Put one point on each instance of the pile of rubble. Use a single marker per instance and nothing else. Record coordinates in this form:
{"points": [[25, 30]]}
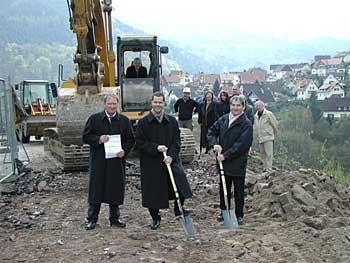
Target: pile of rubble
{"points": [[306, 195]]}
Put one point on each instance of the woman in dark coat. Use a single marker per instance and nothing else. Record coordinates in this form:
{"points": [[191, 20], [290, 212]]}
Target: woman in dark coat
{"points": [[207, 115], [231, 136], [223, 106], [107, 176], [155, 132]]}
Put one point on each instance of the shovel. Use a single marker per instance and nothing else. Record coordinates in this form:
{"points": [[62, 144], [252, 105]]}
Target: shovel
{"points": [[185, 220], [230, 219]]}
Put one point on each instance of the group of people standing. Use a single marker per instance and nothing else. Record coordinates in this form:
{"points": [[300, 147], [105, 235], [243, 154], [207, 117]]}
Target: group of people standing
{"points": [[226, 127]]}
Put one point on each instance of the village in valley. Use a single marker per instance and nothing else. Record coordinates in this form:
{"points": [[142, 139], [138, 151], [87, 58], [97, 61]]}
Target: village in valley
{"points": [[325, 77]]}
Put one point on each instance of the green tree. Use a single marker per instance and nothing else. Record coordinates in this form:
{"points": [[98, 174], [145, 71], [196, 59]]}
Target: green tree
{"points": [[314, 107], [216, 87]]}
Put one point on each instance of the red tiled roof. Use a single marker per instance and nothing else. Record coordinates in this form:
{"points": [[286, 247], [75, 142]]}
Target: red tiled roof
{"points": [[210, 78], [301, 84], [252, 75], [327, 86], [227, 76], [172, 78]]}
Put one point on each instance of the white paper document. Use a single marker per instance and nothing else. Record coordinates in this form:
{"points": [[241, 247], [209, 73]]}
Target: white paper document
{"points": [[113, 146]]}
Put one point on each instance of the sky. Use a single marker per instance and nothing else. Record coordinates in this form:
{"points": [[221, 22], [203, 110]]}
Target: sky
{"points": [[298, 20]]}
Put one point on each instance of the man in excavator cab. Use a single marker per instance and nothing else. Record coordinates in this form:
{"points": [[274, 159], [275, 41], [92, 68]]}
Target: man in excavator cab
{"points": [[136, 70]]}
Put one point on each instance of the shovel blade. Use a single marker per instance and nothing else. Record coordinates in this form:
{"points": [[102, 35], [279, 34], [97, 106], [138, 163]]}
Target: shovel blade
{"points": [[187, 225], [230, 219]]}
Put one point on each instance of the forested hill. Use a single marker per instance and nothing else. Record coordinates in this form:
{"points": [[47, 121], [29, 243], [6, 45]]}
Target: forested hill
{"points": [[35, 37]]}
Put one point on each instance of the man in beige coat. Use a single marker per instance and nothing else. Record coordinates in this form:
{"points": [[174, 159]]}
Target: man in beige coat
{"points": [[265, 130]]}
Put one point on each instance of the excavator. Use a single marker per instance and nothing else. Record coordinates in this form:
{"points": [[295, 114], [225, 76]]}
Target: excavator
{"points": [[83, 95]]}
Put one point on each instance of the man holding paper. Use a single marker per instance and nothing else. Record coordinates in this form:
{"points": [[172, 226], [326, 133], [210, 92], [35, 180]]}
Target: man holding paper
{"points": [[110, 137]]}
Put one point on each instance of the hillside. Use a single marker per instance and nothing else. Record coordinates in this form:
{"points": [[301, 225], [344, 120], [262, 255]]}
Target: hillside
{"points": [[35, 37]]}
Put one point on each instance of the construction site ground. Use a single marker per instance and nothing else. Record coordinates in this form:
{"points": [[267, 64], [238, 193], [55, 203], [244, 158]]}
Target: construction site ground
{"points": [[290, 216]]}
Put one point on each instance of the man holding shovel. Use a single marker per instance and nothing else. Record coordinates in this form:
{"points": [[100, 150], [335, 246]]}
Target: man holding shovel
{"points": [[231, 137], [156, 134]]}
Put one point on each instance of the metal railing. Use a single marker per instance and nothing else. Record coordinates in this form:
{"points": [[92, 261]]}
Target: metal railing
{"points": [[8, 140]]}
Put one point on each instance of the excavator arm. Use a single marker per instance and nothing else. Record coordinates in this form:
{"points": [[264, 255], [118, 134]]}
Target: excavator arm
{"points": [[91, 21]]}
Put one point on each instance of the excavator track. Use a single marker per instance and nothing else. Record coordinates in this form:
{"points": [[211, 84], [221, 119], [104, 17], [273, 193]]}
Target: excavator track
{"points": [[76, 157], [188, 145]]}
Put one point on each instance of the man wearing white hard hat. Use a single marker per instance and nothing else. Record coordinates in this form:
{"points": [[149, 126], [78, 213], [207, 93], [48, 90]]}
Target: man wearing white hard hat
{"points": [[186, 106]]}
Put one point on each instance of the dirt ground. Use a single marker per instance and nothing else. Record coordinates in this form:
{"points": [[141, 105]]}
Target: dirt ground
{"points": [[290, 216]]}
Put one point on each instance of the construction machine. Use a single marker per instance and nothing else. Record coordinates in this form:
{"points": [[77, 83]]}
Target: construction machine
{"points": [[35, 104], [83, 95]]}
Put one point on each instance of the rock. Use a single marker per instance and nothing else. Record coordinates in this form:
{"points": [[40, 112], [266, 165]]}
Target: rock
{"points": [[179, 248], [309, 187], [29, 189], [315, 223], [276, 210], [309, 210], [260, 186], [303, 197], [250, 181], [285, 198], [292, 211], [8, 188], [12, 238], [147, 245], [277, 189], [43, 187]]}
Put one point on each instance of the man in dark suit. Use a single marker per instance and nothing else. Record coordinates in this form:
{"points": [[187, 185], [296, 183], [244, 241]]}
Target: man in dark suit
{"points": [[136, 70], [231, 136], [107, 175], [156, 133]]}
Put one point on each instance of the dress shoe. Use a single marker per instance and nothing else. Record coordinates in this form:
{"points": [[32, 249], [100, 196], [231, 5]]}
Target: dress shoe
{"points": [[90, 225], [118, 223], [185, 211], [220, 217], [240, 220], [155, 224]]}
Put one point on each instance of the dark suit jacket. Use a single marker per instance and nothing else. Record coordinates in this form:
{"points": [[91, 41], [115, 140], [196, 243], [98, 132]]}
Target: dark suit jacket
{"points": [[132, 73], [235, 142]]}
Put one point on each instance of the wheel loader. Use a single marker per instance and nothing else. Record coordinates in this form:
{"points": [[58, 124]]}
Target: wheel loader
{"points": [[36, 99], [83, 95]]}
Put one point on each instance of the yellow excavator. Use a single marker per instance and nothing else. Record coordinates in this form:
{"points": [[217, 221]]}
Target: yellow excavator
{"points": [[83, 95]]}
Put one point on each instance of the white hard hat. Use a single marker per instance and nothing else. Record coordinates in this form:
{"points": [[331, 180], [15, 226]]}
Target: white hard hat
{"points": [[187, 90]]}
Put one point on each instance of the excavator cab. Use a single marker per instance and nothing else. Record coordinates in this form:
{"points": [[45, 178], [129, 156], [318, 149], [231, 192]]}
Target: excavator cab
{"points": [[136, 92]]}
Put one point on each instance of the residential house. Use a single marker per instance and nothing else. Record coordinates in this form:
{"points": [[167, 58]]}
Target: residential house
{"points": [[320, 57], [335, 107], [226, 80], [170, 80], [324, 67], [252, 75], [280, 71], [176, 77], [330, 78], [328, 90], [208, 80], [257, 91], [304, 88]]}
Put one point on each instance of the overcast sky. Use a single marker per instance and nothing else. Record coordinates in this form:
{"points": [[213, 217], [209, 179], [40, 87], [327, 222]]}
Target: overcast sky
{"points": [[295, 19]]}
